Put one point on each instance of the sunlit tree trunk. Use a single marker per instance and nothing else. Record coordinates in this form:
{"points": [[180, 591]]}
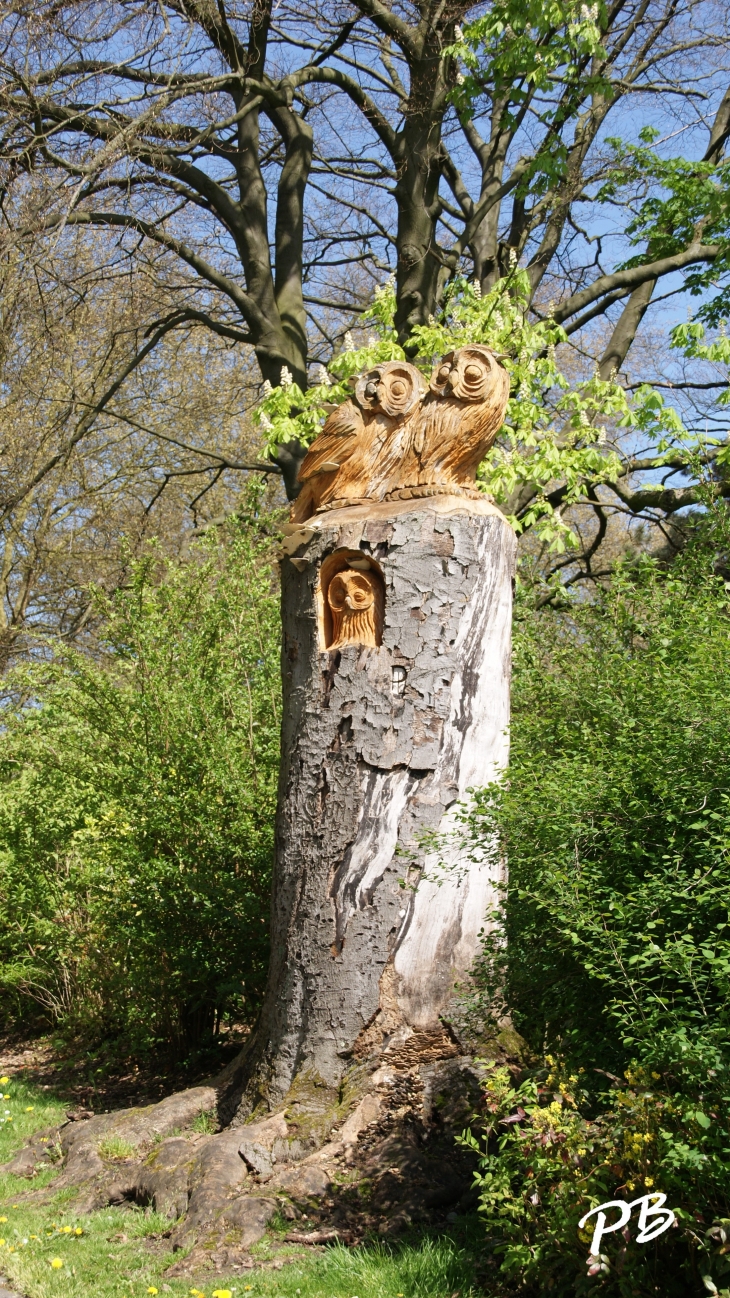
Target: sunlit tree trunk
{"points": [[372, 923]]}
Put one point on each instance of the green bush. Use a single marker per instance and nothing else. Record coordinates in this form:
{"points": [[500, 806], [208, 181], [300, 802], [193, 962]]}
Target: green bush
{"points": [[615, 820], [137, 796]]}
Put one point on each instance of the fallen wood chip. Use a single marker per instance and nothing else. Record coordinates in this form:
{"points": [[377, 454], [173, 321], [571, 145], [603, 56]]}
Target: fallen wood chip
{"points": [[316, 1236]]}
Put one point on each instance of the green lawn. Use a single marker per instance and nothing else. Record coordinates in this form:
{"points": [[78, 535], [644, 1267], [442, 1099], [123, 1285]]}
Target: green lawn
{"points": [[108, 1257]]}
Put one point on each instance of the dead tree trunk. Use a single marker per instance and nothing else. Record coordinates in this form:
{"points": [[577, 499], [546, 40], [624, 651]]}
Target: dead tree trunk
{"points": [[369, 933]]}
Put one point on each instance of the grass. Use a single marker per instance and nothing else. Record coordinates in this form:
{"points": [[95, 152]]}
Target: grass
{"points": [[104, 1254], [115, 1149]]}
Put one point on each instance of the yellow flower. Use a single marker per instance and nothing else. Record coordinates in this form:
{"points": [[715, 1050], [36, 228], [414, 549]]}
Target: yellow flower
{"points": [[151, 1289], [78, 1231], [630, 1185], [35, 1236], [4, 1081], [56, 1263], [64, 1230], [3, 1218], [29, 1108], [648, 1180], [222, 1293], [2, 1243], [11, 1248]]}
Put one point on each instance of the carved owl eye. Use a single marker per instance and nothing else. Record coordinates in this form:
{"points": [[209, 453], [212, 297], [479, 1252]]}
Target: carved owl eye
{"points": [[337, 593], [395, 388], [473, 374]]}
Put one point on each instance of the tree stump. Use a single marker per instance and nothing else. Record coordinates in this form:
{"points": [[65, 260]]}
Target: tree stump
{"points": [[372, 926]]}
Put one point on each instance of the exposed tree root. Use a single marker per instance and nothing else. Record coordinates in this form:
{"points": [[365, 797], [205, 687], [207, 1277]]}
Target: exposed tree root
{"points": [[373, 1157]]}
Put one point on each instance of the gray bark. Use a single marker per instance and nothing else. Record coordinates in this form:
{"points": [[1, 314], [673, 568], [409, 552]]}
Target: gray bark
{"points": [[361, 964]]}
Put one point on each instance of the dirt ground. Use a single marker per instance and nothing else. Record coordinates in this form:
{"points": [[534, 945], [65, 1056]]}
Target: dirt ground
{"points": [[102, 1079]]}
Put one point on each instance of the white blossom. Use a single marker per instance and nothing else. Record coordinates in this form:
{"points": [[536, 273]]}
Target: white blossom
{"points": [[476, 286], [323, 377], [267, 389], [349, 344], [601, 439], [265, 423], [286, 379], [460, 78], [512, 258], [458, 33]]}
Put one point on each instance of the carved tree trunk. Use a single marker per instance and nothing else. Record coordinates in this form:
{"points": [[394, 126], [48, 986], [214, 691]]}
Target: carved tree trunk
{"points": [[379, 745]]}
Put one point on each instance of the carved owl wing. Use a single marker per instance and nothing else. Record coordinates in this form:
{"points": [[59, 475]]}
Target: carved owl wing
{"points": [[331, 449], [336, 441]]}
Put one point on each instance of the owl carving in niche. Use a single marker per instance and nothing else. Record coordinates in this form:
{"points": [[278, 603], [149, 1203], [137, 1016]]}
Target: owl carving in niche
{"points": [[355, 601], [394, 438]]}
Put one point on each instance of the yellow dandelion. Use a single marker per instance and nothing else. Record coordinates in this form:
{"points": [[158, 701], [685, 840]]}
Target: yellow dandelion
{"points": [[3, 1218], [29, 1109], [64, 1230], [4, 1081], [151, 1289], [222, 1293], [35, 1236], [2, 1243], [78, 1231], [11, 1248], [56, 1263]]}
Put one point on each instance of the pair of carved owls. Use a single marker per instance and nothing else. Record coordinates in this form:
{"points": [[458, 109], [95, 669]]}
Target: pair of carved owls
{"points": [[394, 438]]}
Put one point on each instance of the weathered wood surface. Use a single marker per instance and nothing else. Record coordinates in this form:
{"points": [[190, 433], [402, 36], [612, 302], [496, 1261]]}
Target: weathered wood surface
{"points": [[379, 744]]}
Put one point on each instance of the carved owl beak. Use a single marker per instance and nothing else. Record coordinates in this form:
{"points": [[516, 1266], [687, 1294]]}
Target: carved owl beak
{"points": [[371, 389]]}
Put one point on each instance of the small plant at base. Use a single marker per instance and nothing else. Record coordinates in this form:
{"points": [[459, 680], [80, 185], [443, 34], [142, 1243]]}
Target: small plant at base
{"points": [[206, 1123], [115, 1148]]}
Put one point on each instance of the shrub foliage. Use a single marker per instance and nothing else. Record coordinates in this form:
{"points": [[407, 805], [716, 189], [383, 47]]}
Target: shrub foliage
{"points": [[615, 818], [137, 796]]}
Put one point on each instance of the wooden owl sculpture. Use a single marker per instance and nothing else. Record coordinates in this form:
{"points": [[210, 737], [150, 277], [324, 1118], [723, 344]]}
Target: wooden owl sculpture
{"points": [[362, 441], [392, 440], [355, 601], [456, 424]]}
